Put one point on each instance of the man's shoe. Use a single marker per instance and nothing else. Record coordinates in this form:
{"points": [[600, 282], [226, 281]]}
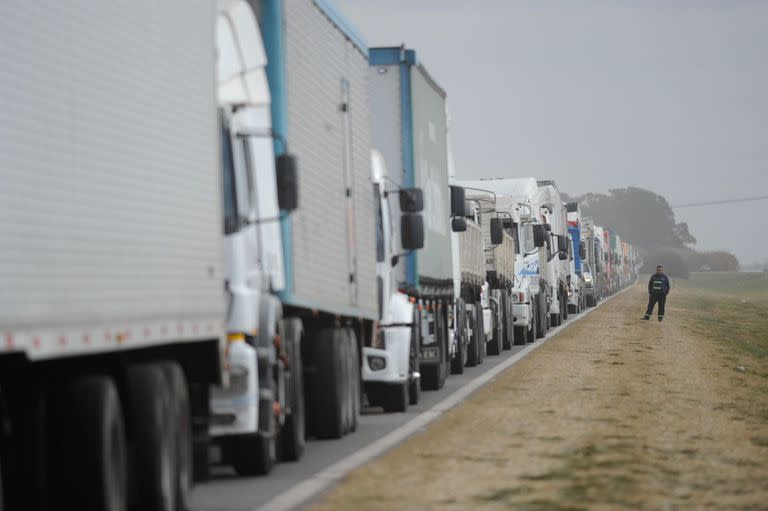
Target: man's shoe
{"points": [[661, 318], [646, 318]]}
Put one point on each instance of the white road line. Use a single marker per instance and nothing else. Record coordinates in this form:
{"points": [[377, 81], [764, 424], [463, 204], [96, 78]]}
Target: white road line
{"points": [[309, 488]]}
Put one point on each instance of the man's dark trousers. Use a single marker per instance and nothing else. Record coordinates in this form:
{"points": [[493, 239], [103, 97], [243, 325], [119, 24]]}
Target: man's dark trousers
{"points": [[653, 299]]}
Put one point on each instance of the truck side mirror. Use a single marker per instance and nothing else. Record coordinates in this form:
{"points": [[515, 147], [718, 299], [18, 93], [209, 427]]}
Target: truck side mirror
{"points": [[287, 182], [411, 200], [562, 244], [582, 251], [458, 224], [548, 227], [457, 200], [497, 231], [539, 236], [411, 231]]}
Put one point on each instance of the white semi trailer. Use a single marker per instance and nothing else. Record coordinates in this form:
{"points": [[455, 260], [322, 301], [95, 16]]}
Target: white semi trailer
{"points": [[410, 130], [112, 303]]}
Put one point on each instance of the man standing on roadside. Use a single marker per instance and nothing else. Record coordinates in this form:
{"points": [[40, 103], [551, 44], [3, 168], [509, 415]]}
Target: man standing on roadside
{"points": [[658, 289]]}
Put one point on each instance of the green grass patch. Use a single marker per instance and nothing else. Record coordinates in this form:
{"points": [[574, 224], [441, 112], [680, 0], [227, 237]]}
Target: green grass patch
{"points": [[730, 309]]}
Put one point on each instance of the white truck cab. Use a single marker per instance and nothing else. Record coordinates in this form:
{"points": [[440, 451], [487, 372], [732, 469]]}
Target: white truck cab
{"points": [[390, 364], [248, 413]]}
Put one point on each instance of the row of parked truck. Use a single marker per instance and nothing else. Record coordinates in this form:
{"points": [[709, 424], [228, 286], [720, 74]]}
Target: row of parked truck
{"points": [[228, 226]]}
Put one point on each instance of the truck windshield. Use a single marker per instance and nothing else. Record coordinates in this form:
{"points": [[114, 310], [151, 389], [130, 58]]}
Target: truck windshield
{"points": [[379, 224], [228, 182]]}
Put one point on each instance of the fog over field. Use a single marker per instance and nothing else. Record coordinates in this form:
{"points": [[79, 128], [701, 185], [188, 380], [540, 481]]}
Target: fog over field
{"points": [[665, 95]]}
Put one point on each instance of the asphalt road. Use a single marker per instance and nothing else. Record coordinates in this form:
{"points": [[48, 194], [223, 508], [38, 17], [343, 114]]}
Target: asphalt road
{"points": [[227, 492]]}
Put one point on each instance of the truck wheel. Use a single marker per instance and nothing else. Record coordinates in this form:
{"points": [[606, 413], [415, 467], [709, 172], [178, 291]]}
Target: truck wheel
{"points": [[462, 341], [414, 384], [459, 358], [90, 442], [292, 440], [177, 383], [493, 347], [153, 430], [395, 398], [201, 435], [355, 380], [542, 323], [253, 454], [481, 339], [472, 345], [563, 307], [508, 334], [326, 390], [520, 334], [414, 392], [433, 376], [346, 397]]}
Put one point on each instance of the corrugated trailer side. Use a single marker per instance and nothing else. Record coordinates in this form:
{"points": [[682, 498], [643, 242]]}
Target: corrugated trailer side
{"points": [[472, 260], [112, 284], [331, 260], [416, 151], [110, 214], [430, 168]]}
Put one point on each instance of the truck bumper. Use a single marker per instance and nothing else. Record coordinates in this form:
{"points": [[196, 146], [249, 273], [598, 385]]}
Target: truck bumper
{"points": [[394, 358], [235, 409]]}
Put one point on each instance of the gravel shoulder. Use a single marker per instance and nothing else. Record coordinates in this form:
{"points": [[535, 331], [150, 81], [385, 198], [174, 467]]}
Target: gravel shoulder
{"points": [[613, 413]]}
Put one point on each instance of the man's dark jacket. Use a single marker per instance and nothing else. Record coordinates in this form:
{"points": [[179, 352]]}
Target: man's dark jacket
{"points": [[658, 285]]}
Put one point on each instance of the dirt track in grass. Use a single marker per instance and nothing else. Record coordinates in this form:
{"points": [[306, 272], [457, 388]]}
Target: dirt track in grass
{"points": [[613, 413]]}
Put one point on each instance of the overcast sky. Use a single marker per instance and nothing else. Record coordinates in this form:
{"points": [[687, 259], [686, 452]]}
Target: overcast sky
{"points": [[666, 95]]}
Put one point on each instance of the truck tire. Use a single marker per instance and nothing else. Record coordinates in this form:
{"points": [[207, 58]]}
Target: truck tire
{"points": [[520, 334], [414, 384], [395, 398], [542, 323], [433, 375], [292, 438], [508, 336], [326, 390], [414, 391], [177, 383], [472, 351], [356, 384], [253, 454], [346, 400], [201, 436], [481, 340], [90, 447], [460, 326], [460, 357], [563, 307], [153, 431], [493, 347]]}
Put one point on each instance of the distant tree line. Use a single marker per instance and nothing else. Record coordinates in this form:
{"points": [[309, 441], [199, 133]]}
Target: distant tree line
{"points": [[645, 219]]}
